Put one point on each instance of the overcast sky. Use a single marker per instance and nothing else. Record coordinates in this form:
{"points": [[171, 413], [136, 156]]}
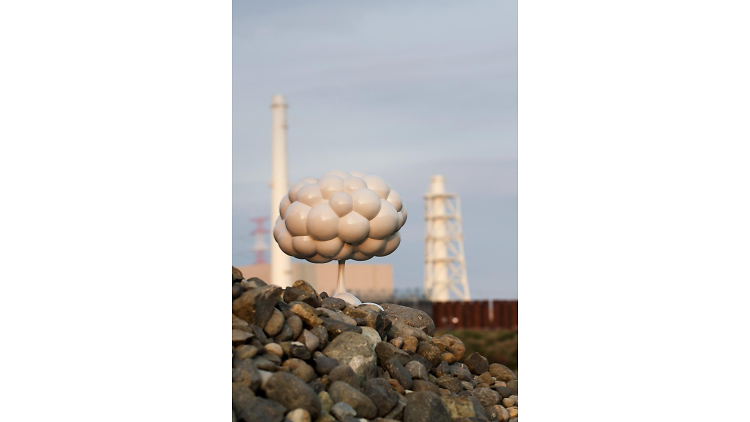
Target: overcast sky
{"points": [[404, 90]]}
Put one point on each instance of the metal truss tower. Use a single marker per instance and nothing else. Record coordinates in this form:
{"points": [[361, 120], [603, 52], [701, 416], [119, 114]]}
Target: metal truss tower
{"points": [[445, 265], [260, 246]]}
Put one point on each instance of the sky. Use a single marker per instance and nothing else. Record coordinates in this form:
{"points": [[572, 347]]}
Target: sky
{"points": [[403, 90]]}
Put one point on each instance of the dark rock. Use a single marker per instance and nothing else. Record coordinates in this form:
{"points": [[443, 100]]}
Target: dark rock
{"points": [[236, 275], [430, 352], [324, 365], [419, 358], [346, 374], [301, 369], [486, 396], [264, 362], [409, 316], [295, 323], [398, 372], [417, 370], [354, 349], [322, 334], [286, 334], [295, 349], [237, 290], [310, 340], [421, 385], [247, 374], [256, 305], [275, 323], [259, 334], [239, 337], [387, 351], [381, 394], [317, 386], [335, 328], [333, 303], [477, 363], [292, 393], [253, 283], [425, 406], [462, 372], [305, 287], [373, 319], [291, 294], [450, 383], [343, 392], [260, 409], [323, 295], [442, 369], [360, 322], [503, 391], [343, 411], [502, 373], [513, 387]]}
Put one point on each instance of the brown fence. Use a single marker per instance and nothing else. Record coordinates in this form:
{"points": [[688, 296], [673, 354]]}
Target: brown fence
{"points": [[481, 314]]}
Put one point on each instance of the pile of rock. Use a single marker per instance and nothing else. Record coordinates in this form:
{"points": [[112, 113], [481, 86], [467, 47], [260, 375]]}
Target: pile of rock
{"points": [[301, 356]]}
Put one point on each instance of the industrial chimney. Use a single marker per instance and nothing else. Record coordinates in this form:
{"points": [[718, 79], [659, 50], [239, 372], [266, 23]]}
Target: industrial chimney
{"points": [[281, 264]]}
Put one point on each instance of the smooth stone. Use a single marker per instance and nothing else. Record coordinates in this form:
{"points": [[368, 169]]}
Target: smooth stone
{"points": [[260, 409], [421, 385], [353, 349], [275, 323], [499, 413], [412, 317], [326, 402], [371, 335], [333, 303], [292, 393], [345, 373], [322, 334], [246, 352], [450, 383], [335, 328], [274, 349], [342, 411], [477, 363], [417, 370], [398, 342], [486, 396], [502, 373], [343, 392], [513, 387], [325, 417], [503, 391], [236, 275], [324, 365], [382, 395], [387, 351], [398, 372], [306, 313], [295, 323], [513, 412], [299, 415], [310, 340], [430, 352], [263, 363], [464, 407], [425, 406], [247, 374], [300, 368]]}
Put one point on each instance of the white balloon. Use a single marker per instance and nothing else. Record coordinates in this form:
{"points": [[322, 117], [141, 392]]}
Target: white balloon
{"points": [[395, 199], [392, 243], [339, 173], [322, 222], [378, 185], [341, 203], [293, 190], [277, 228], [329, 248], [385, 223], [359, 256], [296, 219], [353, 228], [285, 242], [309, 195], [310, 180], [329, 185], [372, 246], [317, 259], [353, 183], [284, 205], [346, 252], [366, 203], [304, 245], [357, 174]]}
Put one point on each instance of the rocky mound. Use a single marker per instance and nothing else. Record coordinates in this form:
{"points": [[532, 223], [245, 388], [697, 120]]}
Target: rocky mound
{"points": [[301, 356]]}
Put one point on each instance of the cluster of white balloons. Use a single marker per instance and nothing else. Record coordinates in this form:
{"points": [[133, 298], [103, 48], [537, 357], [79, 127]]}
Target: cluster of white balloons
{"points": [[340, 216]]}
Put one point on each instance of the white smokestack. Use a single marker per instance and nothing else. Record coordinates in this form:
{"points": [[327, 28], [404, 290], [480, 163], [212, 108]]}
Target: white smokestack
{"points": [[281, 264]]}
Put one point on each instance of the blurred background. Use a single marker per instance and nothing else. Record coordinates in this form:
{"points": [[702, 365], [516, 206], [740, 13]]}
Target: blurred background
{"points": [[404, 90]]}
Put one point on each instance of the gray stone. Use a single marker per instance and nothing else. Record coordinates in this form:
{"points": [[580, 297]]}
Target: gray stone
{"points": [[382, 395], [239, 337], [420, 385], [353, 349], [333, 303], [285, 334], [442, 369], [335, 328], [326, 402], [346, 374], [263, 363], [371, 335], [274, 349], [513, 387], [322, 334], [292, 393], [398, 372], [236, 275], [298, 415], [246, 352], [260, 409], [295, 349], [486, 396], [387, 351], [417, 370], [324, 365], [425, 406], [477, 363], [343, 411], [256, 305], [343, 392], [430, 352], [237, 290], [247, 374], [409, 316], [295, 323], [503, 391], [300, 368], [450, 383], [310, 340]]}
